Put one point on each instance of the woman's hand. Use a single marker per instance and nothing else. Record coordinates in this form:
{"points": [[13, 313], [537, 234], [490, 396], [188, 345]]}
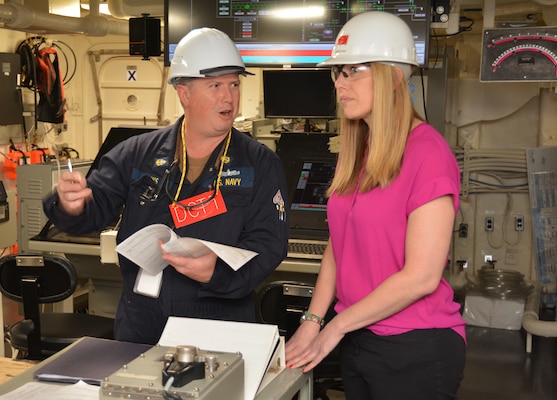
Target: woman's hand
{"points": [[308, 347]]}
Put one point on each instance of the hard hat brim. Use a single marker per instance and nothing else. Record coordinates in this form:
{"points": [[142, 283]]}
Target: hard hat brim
{"points": [[344, 59], [225, 70]]}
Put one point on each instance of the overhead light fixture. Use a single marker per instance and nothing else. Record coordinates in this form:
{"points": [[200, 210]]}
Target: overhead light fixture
{"points": [[103, 8], [299, 12]]}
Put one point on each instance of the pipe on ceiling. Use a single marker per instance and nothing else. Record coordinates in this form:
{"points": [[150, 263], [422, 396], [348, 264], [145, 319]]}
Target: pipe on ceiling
{"points": [[546, 2], [135, 8], [20, 17]]}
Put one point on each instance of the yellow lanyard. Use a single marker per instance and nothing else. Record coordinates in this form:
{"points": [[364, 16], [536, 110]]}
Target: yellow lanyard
{"points": [[184, 161]]}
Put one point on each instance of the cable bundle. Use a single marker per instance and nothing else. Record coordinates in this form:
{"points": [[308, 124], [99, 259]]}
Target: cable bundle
{"points": [[492, 171]]}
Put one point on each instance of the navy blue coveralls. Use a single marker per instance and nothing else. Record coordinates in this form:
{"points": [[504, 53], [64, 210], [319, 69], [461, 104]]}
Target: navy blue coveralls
{"points": [[253, 185]]}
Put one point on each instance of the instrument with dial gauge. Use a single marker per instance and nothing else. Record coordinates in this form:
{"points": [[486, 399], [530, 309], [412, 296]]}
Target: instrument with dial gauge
{"points": [[519, 54]]}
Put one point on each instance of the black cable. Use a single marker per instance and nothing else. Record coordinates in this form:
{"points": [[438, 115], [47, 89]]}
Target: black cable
{"points": [[66, 78], [461, 29], [423, 94], [15, 149], [36, 42], [29, 73], [23, 124], [28, 64], [68, 150]]}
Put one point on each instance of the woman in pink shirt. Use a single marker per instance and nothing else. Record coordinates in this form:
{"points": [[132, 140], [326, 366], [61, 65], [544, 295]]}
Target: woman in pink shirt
{"points": [[391, 210]]}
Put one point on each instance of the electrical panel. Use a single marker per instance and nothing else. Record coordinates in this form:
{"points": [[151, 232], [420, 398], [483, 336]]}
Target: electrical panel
{"points": [[8, 225], [34, 181], [11, 108]]}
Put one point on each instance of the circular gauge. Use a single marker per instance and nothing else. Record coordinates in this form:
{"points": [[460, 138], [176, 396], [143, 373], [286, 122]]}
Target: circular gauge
{"points": [[519, 54]]}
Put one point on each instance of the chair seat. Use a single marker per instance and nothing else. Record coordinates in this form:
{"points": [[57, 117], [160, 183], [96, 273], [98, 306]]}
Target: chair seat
{"points": [[59, 330]]}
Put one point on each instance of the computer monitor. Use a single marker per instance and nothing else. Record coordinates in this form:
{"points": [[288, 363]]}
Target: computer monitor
{"points": [[309, 168], [314, 179], [299, 93], [114, 137], [299, 33]]}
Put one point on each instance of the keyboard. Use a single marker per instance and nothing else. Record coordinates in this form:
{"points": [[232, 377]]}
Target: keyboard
{"points": [[311, 249]]}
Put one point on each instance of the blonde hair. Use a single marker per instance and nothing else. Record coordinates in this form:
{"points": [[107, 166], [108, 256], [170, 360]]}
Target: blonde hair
{"points": [[377, 149]]}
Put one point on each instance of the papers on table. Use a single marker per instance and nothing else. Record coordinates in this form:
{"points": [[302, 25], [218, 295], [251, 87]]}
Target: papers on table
{"points": [[45, 391]]}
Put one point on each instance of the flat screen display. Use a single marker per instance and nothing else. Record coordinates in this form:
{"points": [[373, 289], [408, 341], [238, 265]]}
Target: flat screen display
{"points": [[308, 198], [313, 181], [286, 32], [309, 168], [298, 93]]}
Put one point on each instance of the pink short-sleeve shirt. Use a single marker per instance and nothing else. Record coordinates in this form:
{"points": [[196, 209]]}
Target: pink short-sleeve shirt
{"points": [[368, 234]]}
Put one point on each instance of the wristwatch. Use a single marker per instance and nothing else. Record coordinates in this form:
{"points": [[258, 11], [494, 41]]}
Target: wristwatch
{"points": [[307, 316]]}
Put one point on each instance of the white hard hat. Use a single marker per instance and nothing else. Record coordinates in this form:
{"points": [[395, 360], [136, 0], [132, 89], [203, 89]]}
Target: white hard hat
{"points": [[206, 52], [374, 36]]}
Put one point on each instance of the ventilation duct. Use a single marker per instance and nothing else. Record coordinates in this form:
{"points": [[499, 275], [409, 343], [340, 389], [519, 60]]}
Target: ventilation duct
{"points": [[19, 17]]}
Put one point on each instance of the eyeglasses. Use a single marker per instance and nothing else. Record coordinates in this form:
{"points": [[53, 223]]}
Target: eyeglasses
{"points": [[349, 72], [153, 193], [213, 188]]}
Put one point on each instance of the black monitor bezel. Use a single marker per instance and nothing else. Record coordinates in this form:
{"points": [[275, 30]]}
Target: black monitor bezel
{"points": [[172, 36]]}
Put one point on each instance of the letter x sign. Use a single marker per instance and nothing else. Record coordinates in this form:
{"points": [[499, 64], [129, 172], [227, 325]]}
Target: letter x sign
{"points": [[131, 75]]}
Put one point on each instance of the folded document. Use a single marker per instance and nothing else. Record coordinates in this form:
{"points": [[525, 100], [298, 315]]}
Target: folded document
{"points": [[90, 360]]}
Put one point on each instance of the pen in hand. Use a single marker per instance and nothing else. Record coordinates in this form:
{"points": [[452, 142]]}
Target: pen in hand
{"points": [[70, 167]]}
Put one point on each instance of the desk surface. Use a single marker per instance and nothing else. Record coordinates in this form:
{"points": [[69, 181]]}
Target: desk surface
{"points": [[11, 368], [283, 387], [288, 264]]}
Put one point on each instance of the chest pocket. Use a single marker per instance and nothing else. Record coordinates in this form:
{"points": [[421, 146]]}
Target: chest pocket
{"points": [[236, 196], [144, 206]]}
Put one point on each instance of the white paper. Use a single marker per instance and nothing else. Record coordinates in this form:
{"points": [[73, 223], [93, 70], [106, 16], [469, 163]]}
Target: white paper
{"points": [[256, 343], [276, 365], [143, 249], [45, 391]]}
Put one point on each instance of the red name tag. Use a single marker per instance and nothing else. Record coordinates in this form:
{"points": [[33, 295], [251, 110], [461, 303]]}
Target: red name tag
{"points": [[197, 209]]}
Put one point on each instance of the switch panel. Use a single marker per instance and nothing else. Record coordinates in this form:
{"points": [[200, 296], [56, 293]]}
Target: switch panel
{"points": [[519, 223]]}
